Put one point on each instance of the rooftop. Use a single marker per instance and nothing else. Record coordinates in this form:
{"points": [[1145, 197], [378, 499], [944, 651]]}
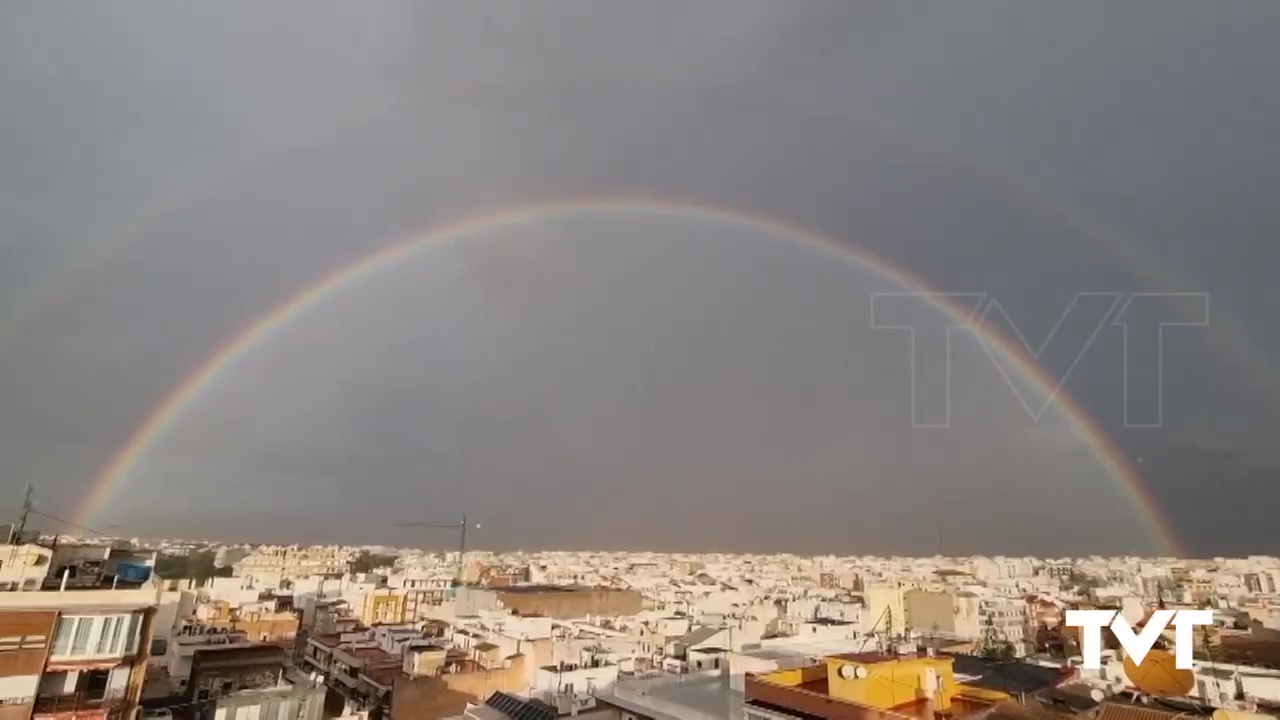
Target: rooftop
{"points": [[1124, 711], [513, 706], [693, 696], [811, 690], [800, 648], [329, 640], [528, 589], [1007, 677], [383, 675], [918, 710], [216, 656], [367, 653], [870, 658]]}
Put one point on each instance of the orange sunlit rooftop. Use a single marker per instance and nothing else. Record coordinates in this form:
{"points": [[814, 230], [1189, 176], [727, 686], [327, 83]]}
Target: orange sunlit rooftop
{"points": [[868, 686]]}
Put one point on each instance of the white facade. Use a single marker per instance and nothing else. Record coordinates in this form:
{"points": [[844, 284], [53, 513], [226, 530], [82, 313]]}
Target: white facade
{"points": [[23, 567], [284, 703], [182, 649], [556, 684], [272, 566]]}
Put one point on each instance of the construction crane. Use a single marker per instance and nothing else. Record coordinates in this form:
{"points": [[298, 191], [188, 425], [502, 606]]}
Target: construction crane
{"points": [[460, 526]]}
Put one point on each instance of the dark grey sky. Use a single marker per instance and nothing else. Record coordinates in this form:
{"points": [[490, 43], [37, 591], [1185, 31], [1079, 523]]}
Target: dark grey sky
{"points": [[632, 379]]}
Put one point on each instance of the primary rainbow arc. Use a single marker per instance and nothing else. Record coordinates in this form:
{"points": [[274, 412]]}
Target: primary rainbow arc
{"points": [[225, 356]]}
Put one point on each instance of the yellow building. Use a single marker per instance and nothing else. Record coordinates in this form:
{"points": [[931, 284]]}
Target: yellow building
{"points": [[863, 685], [381, 607], [889, 683]]}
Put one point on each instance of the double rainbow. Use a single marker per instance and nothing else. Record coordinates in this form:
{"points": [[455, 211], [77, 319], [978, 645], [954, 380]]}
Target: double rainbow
{"points": [[224, 359]]}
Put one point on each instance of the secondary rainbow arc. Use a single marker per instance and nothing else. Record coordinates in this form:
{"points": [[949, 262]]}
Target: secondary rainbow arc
{"points": [[1230, 341], [225, 356]]}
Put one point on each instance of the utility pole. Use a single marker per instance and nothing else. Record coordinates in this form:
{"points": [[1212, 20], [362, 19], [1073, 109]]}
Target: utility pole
{"points": [[462, 545], [15, 531]]}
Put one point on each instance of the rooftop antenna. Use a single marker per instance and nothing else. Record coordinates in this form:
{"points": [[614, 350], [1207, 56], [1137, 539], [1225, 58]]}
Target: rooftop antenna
{"points": [[887, 612], [16, 530]]}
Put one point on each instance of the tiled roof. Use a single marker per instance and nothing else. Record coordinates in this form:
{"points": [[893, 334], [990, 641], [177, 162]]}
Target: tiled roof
{"points": [[1121, 711], [1030, 711]]}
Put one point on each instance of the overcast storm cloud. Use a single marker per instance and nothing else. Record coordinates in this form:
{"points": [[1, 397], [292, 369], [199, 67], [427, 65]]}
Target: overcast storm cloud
{"points": [[634, 379]]}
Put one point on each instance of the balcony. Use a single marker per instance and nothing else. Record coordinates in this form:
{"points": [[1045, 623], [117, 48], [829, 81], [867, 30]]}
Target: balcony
{"points": [[319, 662], [78, 705], [345, 677]]}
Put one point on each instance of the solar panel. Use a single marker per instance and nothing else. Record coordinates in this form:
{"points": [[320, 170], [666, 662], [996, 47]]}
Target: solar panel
{"points": [[518, 708]]}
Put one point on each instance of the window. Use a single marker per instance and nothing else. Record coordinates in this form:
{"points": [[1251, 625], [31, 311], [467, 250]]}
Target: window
{"points": [[95, 684], [117, 624], [62, 637], [103, 646], [80, 640], [132, 634], [90, 636]]}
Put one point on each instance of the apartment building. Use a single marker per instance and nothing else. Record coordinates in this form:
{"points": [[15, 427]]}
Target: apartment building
{"points": [[265, 621], [954, 615], [278, 703], [24, 567], [1259, 582], [384, 606], [1005, 620], [219, 671], [40, 566], [561, 602], [866, 685], [362, 667], [274, 566], [212, 675], [78, 654]]}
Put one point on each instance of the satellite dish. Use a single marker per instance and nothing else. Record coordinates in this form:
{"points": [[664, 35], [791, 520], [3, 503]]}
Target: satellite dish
{"points": [[1158, 675], [1097, 695]]}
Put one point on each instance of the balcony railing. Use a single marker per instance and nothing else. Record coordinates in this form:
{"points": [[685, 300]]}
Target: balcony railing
{"points": [[77, 703]]}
